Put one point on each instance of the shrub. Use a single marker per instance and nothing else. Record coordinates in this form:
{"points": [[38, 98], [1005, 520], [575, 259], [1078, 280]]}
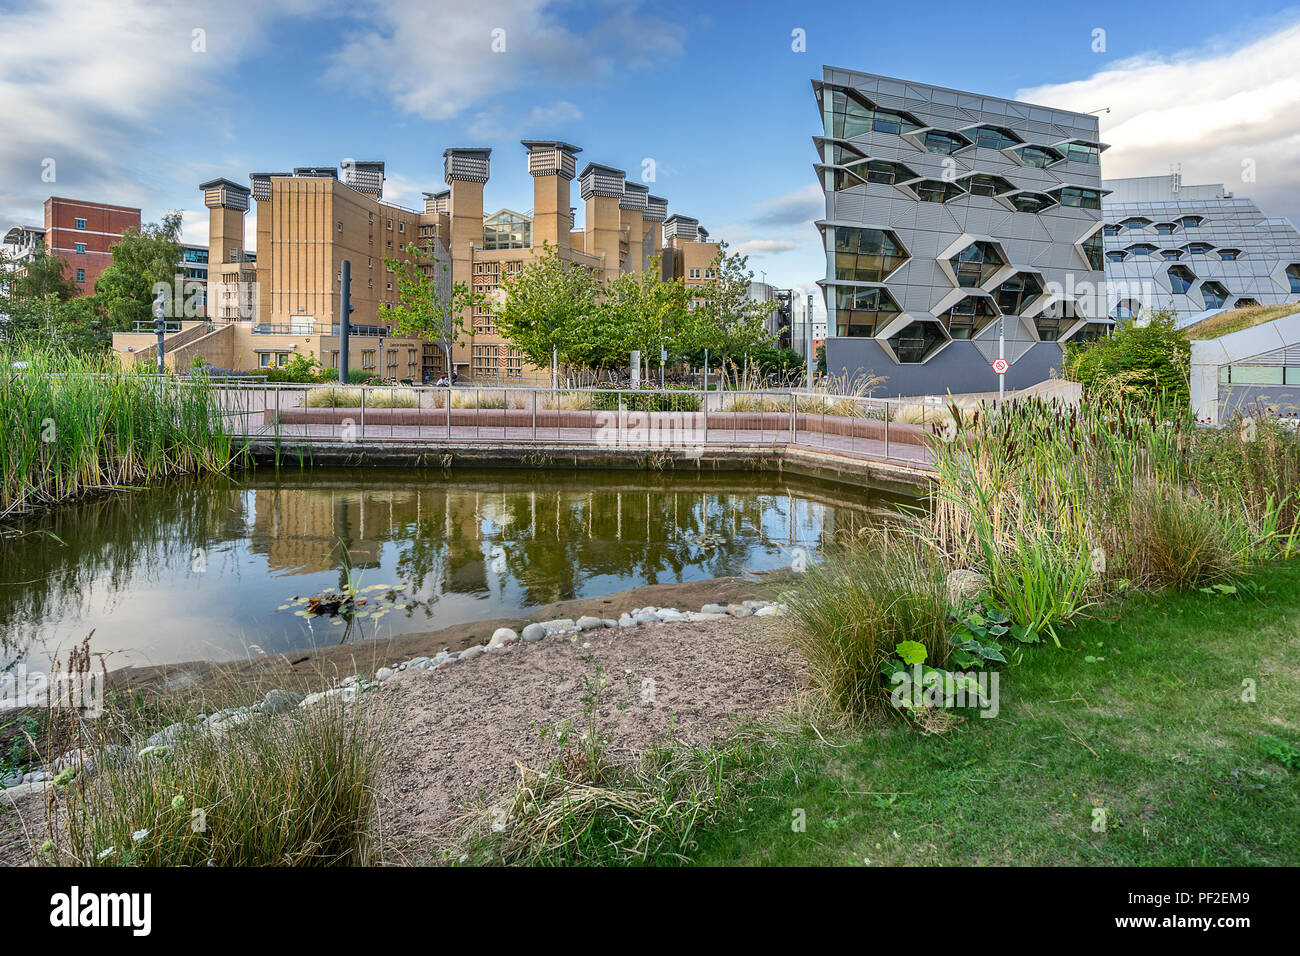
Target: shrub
{"points": [[1181, 540], [1147, 363], [849, 613], [335, 397]]}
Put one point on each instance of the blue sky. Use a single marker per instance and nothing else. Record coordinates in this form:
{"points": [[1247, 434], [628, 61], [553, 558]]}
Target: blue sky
{"points": [[133, 106]]}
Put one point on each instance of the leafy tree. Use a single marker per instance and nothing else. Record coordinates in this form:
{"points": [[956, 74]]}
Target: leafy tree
{"points": [[636, 311], [1147, 362], [726, 319], [142, 259], [423, 310], [551, 304]]}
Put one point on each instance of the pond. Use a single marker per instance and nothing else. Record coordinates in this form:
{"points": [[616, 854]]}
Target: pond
{"points": [[219, 569]]}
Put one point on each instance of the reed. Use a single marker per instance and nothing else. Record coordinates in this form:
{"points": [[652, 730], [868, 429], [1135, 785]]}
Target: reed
{"points": [[75, 424]]}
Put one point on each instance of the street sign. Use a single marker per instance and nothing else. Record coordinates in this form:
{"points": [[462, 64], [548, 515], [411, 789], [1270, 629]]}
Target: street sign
{"points": [[1001, 366]]}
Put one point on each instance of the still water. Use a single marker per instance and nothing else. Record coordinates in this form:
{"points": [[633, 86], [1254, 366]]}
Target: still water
{"points": [[205, 569]]}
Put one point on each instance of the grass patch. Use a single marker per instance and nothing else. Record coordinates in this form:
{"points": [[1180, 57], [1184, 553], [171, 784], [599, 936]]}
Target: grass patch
{"points": [[1226, 323], [335, 397], [1137, 727]]}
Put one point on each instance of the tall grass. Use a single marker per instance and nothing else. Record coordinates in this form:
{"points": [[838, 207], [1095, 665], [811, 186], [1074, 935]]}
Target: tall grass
{"points": [[848, 613], [290, 790], [74, 424], [335, 397]]}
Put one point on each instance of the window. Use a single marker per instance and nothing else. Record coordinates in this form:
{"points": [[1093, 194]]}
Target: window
{"points": [[936, 190], [995, 137], [1083, 153], [264, 359], [1079, 197], [852, 114], [1032, 202], [1018, 293], [1136, 222], [969, 315], [693, 273], [340, 225], [886, 173], [1189, 222], [710, 273], [390, 225], [840, 154], [1111, 230], [866, 255], [367, 358], [1293, 276], [401, 227], [484, 361], [1169, 254], [1040, 157], [982, 184], [1213, 294], [1116, 256], [1166, 228], [1141, 249], [81, 248], [81, 275], [1092, 247], [976, 264], [1181, 278], [370, 262], [390, 243], [81, 224], [514, 364], [944, 143], [862, 312], [1229, 255], [844, 179], [1198, 248], [917, 342]]}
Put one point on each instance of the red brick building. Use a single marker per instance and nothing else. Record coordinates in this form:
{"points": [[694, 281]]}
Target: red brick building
{"points": [[81, 232]]}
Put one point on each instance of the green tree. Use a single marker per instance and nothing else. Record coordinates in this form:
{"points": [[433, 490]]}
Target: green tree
{"points": [[637, 311], [143, 259], [550, 304], [1146, 362], [423, 310], [727, 321]]}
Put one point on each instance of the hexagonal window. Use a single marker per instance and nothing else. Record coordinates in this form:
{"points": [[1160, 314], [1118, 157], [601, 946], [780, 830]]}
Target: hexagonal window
{"points": [[1140, 249], [1181, 278], [917, 342], [935, 190], [882, 171], [1078, 196], [1293, 276], [846, 179], [861, 312], [982, 184], [1213, 294], [1198, 248], [1166, 228], [1171, 254], [1091, 332], [1018, 293], [1135, 222], [1229, 255], [994, 137], [1055, 320], [1110, 230], [866, 255], [1039, 157], [852, 114], [1246, 302], [1031, 202], [841, 154], [969, 315], [943, 141], [1092, 247], [976, 264], [1127, 309], [1082, 151], [1116, 256], [1190, 222]]}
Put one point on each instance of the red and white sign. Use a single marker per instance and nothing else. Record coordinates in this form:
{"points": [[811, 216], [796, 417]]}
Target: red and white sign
{"points": [[1000, 366]]}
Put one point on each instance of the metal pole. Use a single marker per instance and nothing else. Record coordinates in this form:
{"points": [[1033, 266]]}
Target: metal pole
{"points": [[555, 368], [706, 376], [345, 320], [1002, 354], [160, 327]]}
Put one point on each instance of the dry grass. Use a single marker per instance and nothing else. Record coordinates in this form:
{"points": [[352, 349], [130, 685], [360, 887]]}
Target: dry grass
{"points": [[1227, 322], [334, 397]]}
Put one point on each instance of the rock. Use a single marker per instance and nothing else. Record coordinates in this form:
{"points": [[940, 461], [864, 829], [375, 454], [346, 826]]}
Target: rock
{"points": [[756, 604], [15, 793], [534, 632], [11, 779], [384, 673], [589, 623], [771, 610], [713, 609], [610, 623], [501, 636], [670, 615], [168, 735], [626, 620], [561, 625], [648, 617], [418, 662], [964, 585], [702, 616], [739, 610], [470, 653], [278, 701]]}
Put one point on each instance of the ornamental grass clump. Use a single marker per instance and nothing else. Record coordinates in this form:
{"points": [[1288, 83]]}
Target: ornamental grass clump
{"points": [[848, 613]]}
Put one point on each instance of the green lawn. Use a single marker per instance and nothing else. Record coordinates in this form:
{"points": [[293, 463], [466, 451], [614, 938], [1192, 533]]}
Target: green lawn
{"points": [[1154, 731]]}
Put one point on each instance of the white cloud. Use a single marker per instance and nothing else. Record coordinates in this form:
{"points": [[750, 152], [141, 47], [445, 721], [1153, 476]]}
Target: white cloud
{"points": [[1214, 111], [748, 246], [86, 83], [439, 59], [541, 121]]}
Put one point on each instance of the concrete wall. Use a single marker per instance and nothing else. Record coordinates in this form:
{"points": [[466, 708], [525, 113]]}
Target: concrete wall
{"points": [[957, 368]]}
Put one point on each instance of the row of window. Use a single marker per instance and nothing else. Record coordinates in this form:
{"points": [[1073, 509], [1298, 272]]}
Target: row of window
{"points": [[1161, 228], [1194, 248]]}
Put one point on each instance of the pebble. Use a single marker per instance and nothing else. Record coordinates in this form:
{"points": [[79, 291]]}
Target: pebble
{"points": [[534, 632]]}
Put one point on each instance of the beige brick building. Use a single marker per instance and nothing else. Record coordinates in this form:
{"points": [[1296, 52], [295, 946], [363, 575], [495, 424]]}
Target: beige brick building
{"points": [[310, 220]]}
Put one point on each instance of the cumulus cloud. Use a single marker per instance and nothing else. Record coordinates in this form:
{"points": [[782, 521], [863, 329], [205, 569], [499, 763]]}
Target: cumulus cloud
{"points": [[438, 59], [799, 208], [1223, 114], [501, 123], [750, 246]]}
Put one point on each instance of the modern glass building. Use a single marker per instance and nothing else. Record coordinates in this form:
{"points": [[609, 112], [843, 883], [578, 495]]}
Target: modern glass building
{"points": [[951, 218], [1193, 249]]}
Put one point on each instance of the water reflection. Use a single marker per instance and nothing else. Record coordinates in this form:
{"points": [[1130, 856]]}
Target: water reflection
{"points": [[197, 569]]}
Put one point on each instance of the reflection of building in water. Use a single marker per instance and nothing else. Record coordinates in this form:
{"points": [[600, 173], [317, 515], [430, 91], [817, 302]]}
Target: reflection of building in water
{"points": [[299, 530]]}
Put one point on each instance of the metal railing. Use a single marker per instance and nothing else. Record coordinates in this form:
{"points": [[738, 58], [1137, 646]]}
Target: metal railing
{"points": [[672, 420]]}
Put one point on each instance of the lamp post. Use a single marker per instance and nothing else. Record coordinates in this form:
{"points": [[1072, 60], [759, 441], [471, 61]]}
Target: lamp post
{"points": [[160, 326]]}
